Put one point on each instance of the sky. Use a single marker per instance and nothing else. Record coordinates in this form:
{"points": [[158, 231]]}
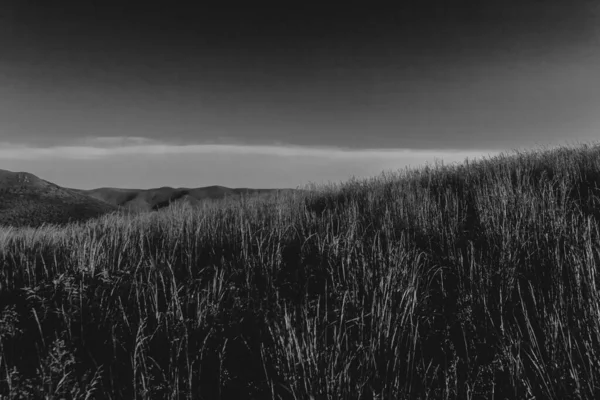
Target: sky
{"points": [[142, 95]]}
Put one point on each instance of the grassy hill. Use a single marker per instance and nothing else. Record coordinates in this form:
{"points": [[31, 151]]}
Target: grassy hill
{"points": [[26, 200], [479, 280], [154, 199]]}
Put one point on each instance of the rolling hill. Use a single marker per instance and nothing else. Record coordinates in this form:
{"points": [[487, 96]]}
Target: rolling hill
{"points": [[154, 199], [26, 200]]}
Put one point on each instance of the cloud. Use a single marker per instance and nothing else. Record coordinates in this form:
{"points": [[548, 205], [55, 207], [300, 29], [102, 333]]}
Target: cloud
{"points": [[145, 163], [108, 147]]}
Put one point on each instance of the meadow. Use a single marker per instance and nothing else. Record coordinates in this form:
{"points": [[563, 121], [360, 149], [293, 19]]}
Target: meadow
{"points": [[470, 281]]}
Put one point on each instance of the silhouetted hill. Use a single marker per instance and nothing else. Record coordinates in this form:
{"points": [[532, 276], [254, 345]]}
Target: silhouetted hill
{"points": [[26, 200], [154, 199]]}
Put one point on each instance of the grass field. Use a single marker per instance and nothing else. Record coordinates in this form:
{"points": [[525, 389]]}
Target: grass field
{"points": [[468, 281]]}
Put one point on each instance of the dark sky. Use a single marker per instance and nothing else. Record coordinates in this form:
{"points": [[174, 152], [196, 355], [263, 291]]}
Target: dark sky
{"points": [[461, 75]]}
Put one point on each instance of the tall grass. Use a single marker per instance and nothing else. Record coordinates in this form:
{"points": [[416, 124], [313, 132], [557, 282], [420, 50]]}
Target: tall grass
{"points": [[469, 281]]}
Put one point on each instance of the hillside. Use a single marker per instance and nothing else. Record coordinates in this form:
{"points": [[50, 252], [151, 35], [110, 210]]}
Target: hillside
{"points": [[26, 200], [471, 281], [154, 199]]}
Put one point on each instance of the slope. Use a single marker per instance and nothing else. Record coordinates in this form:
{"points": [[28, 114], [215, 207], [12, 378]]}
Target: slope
{"points": [[26, 200], [154, 199]]}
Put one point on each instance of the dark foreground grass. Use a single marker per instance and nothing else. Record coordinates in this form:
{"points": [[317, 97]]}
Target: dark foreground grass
{"points": [[449, 282]]}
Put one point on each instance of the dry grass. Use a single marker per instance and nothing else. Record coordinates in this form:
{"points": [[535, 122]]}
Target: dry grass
{"points": [[449, 282]]}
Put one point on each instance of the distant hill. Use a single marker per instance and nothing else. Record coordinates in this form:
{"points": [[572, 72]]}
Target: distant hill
{"points": [[154, 199], [26, 200]]}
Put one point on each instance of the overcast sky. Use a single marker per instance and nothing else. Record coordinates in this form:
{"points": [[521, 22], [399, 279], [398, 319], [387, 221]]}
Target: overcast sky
{"points": [[146, 95]]}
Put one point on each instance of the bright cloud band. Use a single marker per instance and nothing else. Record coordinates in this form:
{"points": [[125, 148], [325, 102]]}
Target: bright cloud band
{"points": [[99, 148]]}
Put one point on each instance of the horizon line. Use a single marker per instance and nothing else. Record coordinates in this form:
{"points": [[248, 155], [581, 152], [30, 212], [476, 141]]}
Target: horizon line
{"points": [[96, 148]]}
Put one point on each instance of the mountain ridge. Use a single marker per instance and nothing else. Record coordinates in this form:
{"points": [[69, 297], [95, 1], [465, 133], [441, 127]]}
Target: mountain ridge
{"points": [[157, 198], [27, 200]]}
